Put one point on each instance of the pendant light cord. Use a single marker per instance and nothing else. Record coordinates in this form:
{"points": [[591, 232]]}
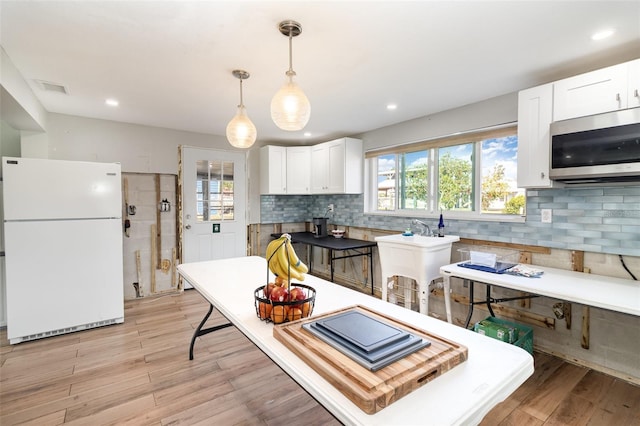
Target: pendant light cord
{"points": [[291, 72]]}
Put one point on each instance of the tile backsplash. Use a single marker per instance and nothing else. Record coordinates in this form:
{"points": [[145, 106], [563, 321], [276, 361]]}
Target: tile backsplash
{"points": [[597, 219]]}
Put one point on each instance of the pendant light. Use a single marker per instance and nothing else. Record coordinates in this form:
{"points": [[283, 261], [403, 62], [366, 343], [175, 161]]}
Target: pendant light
{"points": [[241, 132], [290, 108]]}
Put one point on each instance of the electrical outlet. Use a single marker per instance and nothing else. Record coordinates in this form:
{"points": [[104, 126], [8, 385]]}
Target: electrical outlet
{"points": [[330, 208], [547, 215]]}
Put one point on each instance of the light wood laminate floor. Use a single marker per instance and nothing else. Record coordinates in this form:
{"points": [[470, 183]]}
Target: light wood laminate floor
{"points": [[139, 373]]}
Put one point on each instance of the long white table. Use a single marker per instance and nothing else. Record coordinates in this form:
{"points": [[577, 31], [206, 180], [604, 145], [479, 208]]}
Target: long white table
{"points": [[461, 396], [615, 294]]}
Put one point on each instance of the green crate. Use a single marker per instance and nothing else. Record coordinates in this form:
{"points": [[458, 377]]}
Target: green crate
{"points": [[502, 332], [525, 338]]}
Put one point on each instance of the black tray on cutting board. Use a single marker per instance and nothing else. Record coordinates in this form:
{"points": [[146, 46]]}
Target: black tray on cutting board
{"points": [[372, 343]]}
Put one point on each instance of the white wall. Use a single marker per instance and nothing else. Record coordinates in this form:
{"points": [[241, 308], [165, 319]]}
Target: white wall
{"points": [[22, 109], [139, 149]]}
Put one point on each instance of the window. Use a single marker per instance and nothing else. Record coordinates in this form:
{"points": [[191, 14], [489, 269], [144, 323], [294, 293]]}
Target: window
{"points": [[468, 175], [214, 190]]}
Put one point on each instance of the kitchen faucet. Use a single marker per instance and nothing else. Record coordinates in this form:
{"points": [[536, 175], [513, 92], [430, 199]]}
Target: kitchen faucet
{"points": [[423, 226]]}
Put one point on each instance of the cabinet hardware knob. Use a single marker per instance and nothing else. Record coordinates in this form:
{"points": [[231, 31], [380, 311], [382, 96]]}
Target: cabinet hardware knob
{"points": [[188, 226], [636, 94], [541, 175]]}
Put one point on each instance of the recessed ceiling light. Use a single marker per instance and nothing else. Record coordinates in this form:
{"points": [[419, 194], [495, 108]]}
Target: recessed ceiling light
{"points": [[601, 35], [307, 134], [112, 102], [391, 107]]}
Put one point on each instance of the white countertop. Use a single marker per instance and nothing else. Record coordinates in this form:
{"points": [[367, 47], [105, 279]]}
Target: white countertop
{"points": [[615, 294], [463, 395]]}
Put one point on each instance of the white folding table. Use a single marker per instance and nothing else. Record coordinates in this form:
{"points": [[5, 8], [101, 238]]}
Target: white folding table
{"points": [[461, 396]]}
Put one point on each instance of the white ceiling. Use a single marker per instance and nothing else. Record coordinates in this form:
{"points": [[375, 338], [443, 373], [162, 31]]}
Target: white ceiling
{"points": [[169, 63]]}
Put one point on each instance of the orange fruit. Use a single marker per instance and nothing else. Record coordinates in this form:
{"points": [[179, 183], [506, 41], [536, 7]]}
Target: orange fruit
{"points": [[295, 313], [264, 309], [306, 309], [278, 314]]}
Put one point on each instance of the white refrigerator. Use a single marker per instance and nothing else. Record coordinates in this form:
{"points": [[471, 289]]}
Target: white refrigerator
{"points": [[63, 246]]}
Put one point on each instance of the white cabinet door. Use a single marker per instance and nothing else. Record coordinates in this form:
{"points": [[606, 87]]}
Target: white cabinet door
{"points": [[298, 170], [273, 170], [591, 93], [633, 93], [534, 117], [336, 173], [320, 168], [337, 167]]}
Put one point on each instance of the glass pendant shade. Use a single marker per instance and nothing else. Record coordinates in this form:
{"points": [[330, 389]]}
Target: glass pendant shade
{"points": [[290, 107], [241, 132]]}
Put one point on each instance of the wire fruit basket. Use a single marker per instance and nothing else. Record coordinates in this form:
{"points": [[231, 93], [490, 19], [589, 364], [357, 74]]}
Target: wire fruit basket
{"points": [[282, 300]]}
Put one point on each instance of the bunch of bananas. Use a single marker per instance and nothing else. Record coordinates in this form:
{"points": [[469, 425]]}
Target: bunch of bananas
{"points": [[283, 260]]}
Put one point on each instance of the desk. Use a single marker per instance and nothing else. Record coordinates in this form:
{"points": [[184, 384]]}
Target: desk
{"points": [[614, 294], [362, 248], [461, 396]]}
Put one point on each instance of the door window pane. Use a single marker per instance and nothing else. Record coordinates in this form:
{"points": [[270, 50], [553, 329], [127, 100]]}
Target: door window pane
{"points": [[214, 190]]}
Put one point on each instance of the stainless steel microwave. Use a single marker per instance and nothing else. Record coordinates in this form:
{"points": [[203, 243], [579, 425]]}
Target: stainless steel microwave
{"points": [[597, 149]]}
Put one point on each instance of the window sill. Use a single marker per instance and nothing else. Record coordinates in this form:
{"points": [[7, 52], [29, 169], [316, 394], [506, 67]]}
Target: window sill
{"points": [[452, 216]]}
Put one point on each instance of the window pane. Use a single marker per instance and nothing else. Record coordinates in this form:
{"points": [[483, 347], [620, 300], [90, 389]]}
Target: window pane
{"points": [[202, 179], [386, 182], [227, 191], [455, 178], [214, 211], [414, 180], [500, 192], [214, 190]]}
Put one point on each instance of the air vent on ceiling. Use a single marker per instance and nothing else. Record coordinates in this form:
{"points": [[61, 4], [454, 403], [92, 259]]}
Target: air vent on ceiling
{"points": [[48, 86]]}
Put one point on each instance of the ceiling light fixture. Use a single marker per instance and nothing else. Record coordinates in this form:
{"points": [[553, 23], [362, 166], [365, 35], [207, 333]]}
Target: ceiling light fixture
{"points": [[601, 35], [241, 132], [112, 102], [290, 108]]}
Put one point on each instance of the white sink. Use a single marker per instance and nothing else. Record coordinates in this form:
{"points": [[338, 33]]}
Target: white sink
{"points": [[416, 257]]}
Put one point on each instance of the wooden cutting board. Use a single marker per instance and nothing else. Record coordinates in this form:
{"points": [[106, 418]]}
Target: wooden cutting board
{"points": [[372, 391]]}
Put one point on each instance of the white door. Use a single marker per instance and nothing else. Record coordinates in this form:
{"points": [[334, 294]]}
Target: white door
{"points": [[214, 196]]}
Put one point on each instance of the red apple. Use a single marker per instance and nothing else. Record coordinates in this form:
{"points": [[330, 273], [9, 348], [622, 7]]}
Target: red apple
{"points": [[298, 294], [278, 294], [267, 289]]}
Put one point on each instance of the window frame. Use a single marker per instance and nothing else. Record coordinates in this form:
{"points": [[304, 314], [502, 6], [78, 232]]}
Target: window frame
{"points": [[431, 145]]}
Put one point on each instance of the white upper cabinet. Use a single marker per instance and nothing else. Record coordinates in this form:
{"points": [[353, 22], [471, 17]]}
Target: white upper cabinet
{"points": [[603, 90], [535, 107], [633, 94], [337, 167], [285, 170], [319, 168], [273, 170], [298, 169], [608, 89]]}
